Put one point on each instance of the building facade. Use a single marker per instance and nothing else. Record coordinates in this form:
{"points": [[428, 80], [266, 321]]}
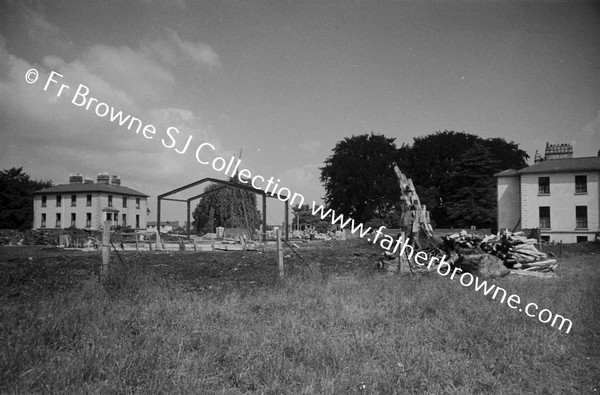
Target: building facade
{"points": [[86, 204], [559, 194]]}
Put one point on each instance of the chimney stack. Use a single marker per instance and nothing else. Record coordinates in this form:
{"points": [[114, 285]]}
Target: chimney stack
{"points": [[116, 180], [558, 151], [103, 178], [76, 179]]}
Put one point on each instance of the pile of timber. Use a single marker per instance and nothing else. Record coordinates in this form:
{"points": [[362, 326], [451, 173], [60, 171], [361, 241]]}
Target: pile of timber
{"points": [[516, 250]]}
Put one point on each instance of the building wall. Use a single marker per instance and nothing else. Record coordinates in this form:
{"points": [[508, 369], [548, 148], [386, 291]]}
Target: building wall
{"points": [[99, 202], [562, 201], [509, 205]]}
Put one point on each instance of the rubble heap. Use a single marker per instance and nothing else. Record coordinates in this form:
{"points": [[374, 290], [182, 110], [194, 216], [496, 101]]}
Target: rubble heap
{"points": [[518, 252]]}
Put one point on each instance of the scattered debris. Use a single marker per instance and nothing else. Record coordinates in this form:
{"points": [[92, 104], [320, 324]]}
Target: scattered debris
{"points": [[517, 252]]}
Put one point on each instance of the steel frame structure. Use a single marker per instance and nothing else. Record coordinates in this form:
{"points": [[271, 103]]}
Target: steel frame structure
{"points": [[224, 184]]}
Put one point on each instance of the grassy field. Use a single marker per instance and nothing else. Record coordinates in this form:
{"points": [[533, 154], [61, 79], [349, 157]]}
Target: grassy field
{"points": [[156, 328]]}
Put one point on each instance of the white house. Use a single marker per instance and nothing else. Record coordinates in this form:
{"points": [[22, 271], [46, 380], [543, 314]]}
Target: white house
{"points": [[559, 194], [87, 204]]}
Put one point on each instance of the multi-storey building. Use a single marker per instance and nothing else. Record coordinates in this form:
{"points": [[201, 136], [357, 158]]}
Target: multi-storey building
{"points": [[559, 195], [87, 204]]}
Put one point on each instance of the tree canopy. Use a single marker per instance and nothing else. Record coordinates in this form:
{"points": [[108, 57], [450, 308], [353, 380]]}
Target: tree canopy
{"points": [[359, 178], [443, 170], [226, 206], [452, 173], [16, 198]]}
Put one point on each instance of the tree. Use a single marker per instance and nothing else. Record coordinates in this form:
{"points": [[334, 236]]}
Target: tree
{"points": [[359, 179], [16, 198], [434, 161], [473, 202], [226, 206]]}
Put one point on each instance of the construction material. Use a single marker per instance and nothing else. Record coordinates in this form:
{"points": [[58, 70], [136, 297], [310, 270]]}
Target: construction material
{"points": [[517, 251]]}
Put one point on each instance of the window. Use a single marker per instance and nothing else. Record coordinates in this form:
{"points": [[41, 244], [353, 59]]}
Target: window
{"points": [[109, 200], [57, 220], [580, 184], [124, 201], [88, 220], [137, 220], [43, 200], [137, 202], [58, 200], [543, 185], [88, 201], [73, 220], [545, 217], [43, 220], [581, 217], [124, 220], [582, 239], [73, 200]]}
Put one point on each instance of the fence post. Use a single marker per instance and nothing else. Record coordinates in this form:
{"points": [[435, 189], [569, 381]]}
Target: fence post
{"points": [[105, 250], [279, 252]]}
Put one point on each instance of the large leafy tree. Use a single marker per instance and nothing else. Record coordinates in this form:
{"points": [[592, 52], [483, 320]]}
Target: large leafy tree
{"points": [[225, 206], [359, 179], [473, 200], [16, 198], [436, 163]]}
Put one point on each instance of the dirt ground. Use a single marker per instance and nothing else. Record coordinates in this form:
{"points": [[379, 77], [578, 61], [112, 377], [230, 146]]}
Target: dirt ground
{"points": [[27, 271]]}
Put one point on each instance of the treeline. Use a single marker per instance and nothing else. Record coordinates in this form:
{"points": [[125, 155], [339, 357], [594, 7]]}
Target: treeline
{"points": [[16, 198], [452, 172]]}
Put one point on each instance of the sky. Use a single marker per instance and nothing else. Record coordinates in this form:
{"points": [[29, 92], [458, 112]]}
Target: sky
{"points": [[281, 82]]}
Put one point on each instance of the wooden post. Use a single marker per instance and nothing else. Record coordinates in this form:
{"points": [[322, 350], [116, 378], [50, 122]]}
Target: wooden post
{"points": [[105, 250], [194, 241], [264, 217], [136, 242], [279, 252], [188, 219], [561, 250], [287, 221], [158, 222], [243, 242]]}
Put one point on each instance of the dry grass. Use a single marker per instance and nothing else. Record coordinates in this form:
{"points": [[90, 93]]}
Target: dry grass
{"points": [[356, 334]]}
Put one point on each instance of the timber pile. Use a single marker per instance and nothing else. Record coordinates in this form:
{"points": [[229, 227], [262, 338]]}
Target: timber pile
{"points": [[516, 250]]}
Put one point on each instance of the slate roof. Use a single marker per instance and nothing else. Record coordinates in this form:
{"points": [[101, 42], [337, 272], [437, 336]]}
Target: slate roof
{"points": [[568, 165], [80, 188], [591, 163]]}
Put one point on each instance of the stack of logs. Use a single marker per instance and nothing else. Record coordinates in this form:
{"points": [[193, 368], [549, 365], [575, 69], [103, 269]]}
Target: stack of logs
{"points": [[516, 250]]}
